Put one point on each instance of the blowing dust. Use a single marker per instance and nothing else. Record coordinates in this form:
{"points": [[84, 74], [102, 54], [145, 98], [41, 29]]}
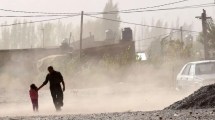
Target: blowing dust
{"points": [[95, 89]]}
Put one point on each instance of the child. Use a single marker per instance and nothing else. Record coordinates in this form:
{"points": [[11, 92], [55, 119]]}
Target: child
{"points": [[34, 96]]}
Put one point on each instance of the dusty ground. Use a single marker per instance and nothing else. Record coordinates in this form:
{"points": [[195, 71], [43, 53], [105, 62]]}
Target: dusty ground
{"points": [[206, 114], [102, 103], [113, 102], [117, 98], [105, 103]]}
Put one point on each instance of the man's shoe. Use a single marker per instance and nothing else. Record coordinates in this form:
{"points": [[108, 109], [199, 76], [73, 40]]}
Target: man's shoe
{"points": [[58, 109]]}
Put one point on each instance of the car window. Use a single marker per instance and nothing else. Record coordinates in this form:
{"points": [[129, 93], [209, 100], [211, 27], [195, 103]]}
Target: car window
{"points": [[186, 70], [205, 68], [192, 70]]}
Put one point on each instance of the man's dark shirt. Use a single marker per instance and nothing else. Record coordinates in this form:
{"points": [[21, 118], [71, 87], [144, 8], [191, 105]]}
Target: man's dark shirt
{"points": [[54, 78]]}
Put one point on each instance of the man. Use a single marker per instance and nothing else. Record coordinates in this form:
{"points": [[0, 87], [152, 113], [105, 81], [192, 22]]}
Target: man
{"points": [[55, 79]]}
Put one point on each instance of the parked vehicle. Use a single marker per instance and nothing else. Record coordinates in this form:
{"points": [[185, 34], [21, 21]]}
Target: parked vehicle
{"points": [[195, 75]]}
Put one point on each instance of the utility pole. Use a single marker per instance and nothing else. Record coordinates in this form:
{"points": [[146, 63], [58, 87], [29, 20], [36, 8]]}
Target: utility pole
{"points": [[81, 33], [204, 31], [181, 29]]}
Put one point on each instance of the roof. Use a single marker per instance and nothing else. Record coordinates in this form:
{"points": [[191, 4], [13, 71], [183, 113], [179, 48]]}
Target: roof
{"points": [[203, 61]]}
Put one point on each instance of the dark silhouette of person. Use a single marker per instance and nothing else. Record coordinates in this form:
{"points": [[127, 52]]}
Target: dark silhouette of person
{"points": [[33, 92], [55, 79]]}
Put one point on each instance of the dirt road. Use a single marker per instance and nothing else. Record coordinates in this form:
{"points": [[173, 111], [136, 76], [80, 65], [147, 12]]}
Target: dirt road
{"points": [[205, 114]]}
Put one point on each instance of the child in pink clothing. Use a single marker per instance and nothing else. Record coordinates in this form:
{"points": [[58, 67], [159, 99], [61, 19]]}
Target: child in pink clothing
{"points": [[34, 96]]}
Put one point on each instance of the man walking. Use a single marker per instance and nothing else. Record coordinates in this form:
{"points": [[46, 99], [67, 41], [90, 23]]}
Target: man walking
{"points": [[55, 79]]}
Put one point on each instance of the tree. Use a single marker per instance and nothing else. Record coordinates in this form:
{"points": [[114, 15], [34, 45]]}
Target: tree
{"points": [[15, 35], [5, 37], [48, 35], [24, 41], [210, 36], [61, 32], [31, 37], [114, 26]]}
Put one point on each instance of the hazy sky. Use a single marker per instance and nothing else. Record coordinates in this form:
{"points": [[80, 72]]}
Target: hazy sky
{"points": [[186, 15]]}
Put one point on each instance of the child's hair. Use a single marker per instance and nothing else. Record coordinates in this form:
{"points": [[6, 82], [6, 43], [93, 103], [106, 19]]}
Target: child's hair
{"points": [[33, 86]]}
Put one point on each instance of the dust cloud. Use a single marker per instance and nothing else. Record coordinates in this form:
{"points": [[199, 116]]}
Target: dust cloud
{"points": [[96, 88]]}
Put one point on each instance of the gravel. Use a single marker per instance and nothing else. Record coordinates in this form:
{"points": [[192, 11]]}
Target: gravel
{"points": [[200, 114], [201, 99]]}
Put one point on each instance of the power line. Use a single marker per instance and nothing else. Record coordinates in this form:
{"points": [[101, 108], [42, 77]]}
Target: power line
{"points": [[46, 20], [32, 12], [35, 16], [162, 9], [115, 12], [140, 24], [19, 11], [126, 11], [157, 5], [171, 3], [178, 8], [67, 16]]}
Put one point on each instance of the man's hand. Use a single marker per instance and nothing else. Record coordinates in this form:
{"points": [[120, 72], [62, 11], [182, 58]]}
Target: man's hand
{"points": [[40, 87]]}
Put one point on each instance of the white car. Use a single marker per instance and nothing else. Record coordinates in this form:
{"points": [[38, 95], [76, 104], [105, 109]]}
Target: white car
{"points": [[196, 74]]}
